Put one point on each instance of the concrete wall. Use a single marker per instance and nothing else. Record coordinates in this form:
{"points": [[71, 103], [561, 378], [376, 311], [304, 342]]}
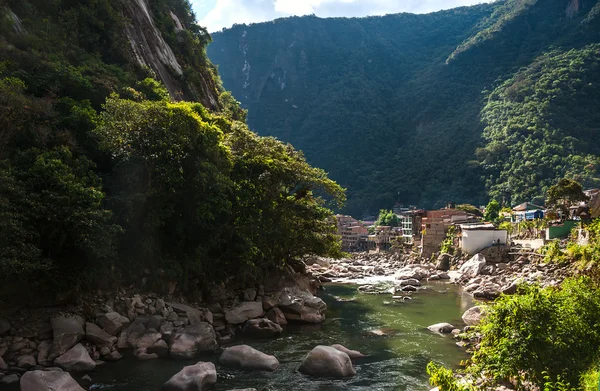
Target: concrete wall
{"points": [[560, 231], [534, 244], [473, 241]]}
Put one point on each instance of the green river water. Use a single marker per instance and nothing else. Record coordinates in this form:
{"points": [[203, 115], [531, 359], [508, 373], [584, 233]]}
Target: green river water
{"points": [[397, 359]]}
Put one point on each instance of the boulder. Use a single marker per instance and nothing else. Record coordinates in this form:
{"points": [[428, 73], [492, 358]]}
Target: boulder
{"points": [[97, 336], [113, 322], [443, 262], [148, 340], [277, 316], [135, 332], [473, 315], [77, 359], [246, 357], [443, 328], [197, 377], [301, 306], [67, 332], [10, 379], [243, 312], [511, 288], [409, 281], [249, 294], [4, 326], [49, 381], [326, 361], [160, 348], [193, 341], [353, 354], [26, 361], [261, 328], [195, 315], [113, 356], [473, 267], [412, 271], [488, 292], [44, 353]]}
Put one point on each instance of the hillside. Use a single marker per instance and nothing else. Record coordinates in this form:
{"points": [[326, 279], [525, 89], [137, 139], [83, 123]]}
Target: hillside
{"points": [[392, 106]]}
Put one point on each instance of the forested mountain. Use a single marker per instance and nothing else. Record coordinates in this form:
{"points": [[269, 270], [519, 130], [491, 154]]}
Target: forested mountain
{"points": [[456, 105], [123, 159]]}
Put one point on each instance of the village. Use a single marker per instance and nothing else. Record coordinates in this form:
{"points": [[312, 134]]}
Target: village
{"points": [[463, 227]]}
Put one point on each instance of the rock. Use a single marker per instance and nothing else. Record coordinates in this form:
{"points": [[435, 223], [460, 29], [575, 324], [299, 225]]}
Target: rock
{"points": [[408, 288], [473, 315], [43, 353], [26, 362], [511, 288], [351, 353], [98, 337], [197, 377], [49, 381], [326, 361], [195, 315], [193, 341], [4, 326], [113, 322], [86, 379], [135, 332], [67, 332], [160, 348], [246, 357], [411, 271], [472, 268], [409, 281], [113, 356], [301, 306], [249, 294], [148, 340], [261, 328], [11, 379], [243, 312], [3, 365], [143, 356], [488, 291], [270, 302], [277, 316], [443, 328], [443, 262], [77, 359]]}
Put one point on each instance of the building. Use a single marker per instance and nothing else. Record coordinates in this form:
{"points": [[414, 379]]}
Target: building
{"points": [[474, 237], [410, 224], [594, 202], [527, 211], [354, 234], [383, 238], [435, 226]]}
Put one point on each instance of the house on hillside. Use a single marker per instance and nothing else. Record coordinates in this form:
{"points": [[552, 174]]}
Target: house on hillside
{"points": [[410, 224], [593, 203], [435, 225], [527, 211], [474, 237], [354, 234]]}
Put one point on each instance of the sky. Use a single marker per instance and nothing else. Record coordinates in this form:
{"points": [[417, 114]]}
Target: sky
{"points": [[219, 14]]}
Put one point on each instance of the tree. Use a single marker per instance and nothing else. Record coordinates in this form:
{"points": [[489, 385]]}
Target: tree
{"points": [[470, 209], [492, 211], [387, 218], [564, 194]]}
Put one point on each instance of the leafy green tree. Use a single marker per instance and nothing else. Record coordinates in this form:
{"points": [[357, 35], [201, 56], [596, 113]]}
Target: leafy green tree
{"points": [[564, 194], [470, 209], [387, 218], [492, 211]]}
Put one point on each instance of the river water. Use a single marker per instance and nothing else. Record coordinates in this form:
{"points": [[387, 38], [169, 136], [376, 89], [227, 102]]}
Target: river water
{"points": [[394, 335]]}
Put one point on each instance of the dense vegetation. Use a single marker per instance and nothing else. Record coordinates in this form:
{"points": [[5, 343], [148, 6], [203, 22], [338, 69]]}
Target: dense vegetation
{"points": [[105, 178], [394, 105]]}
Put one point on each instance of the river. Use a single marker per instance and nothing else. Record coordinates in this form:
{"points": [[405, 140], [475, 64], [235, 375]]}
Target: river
{"points": [[397, 359]]}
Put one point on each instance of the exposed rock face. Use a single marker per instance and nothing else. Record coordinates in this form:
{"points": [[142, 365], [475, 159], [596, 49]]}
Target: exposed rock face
{"points": [[261, 328], [473, 315], [443, 262], [443, 328], [113, 322], [49, 381], [473, 266], [193, 341], [275, 315], [194, 315], [98, 337], [243, 312], [351, 353], [246, 357], [67, 331], [77, 359], [326, 361], [301, 306], [197, 377]]}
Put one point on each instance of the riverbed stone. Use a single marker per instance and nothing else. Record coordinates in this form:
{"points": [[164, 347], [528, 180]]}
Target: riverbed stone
{"points": [[409, 281], [10, 379], [49, 381], [353, 354], [246, 357], [194, 315], [44, 352], [67, 331], [301, 306], [77, 359], [113, 322], [193, 341], [326, 361], [277, 316], [243, 312], [473, 315], [261, 328], [26, 361], [113, 356], [198, 377], [97, 336], [160, 348], [443, 328], [443, 262], [473, 267], [148, 340]]}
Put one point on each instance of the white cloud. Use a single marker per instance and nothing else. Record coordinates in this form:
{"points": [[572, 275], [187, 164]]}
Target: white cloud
{"points": [[225, 13]]}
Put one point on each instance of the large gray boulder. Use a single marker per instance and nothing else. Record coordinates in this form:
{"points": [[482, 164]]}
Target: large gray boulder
{"points": [[443, 262], [246, 357], [67, 332], [77, 359], [98, 337], [277, 316], [353, 354], [417, 272], [243, 312], [43, 353], [326, 361], [195, 315], [473, 315], [261, 328], [442, 328], [113, 322], [197, 377], [301, 306], [193, 341], [473, 267], [49, 381]]}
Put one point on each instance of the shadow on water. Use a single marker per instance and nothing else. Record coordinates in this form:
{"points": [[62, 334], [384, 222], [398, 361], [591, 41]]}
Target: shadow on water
{"points": [[393, 334]]}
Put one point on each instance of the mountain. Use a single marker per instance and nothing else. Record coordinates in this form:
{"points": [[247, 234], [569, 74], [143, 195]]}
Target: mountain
{"points": [[398, 107]]}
